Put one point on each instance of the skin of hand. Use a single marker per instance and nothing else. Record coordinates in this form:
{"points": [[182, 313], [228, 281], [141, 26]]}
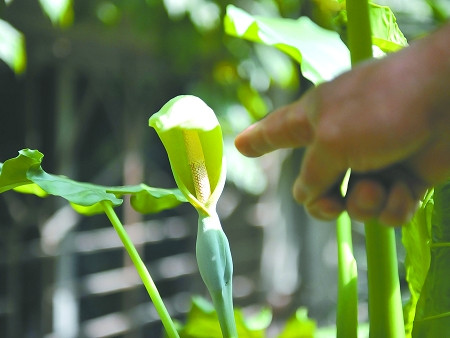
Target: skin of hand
{"points": [[387, 119]]}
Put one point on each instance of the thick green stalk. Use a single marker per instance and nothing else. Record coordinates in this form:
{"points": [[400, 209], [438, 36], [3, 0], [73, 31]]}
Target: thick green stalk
{"points": [[142, 271], [347, 307], [359, 35], [385, 307]]}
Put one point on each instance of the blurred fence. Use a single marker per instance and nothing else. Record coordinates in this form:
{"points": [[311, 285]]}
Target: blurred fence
{"points": [[80, 283]]}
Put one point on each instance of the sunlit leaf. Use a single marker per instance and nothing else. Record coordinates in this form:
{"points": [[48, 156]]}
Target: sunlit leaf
{"points": [[60, 12], [24, 174], [320, 52], [385, 32], [32, 189], [14, 171], [416, 238], [12, 47]]}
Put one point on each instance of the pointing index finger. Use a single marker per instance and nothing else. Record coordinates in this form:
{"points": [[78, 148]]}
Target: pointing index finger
{"points": [[287, 127]]}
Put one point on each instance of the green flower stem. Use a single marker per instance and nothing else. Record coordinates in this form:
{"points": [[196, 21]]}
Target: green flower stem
{"points": [[347, 307], [142, 271], [216, 268], [385, 307]]}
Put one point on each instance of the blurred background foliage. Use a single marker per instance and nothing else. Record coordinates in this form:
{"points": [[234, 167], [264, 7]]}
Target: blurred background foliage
{"points": [[78, 81]]}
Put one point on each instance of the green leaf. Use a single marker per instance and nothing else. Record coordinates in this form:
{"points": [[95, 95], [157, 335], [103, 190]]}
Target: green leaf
{"points": [[385, 32], [320, 52], [84, 194], [150, 200], [416, 236], [386, 35], [25, 174], [299, 326], [202, 322], [433, 307], [12, 47], [59, 11], [144, 199], [32, 189], [14, 171]]}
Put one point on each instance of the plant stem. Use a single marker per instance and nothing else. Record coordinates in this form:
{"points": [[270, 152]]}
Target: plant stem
{"points": [[359, 35], [216, 268], [385, 307], [142, 271], [347, 308]]}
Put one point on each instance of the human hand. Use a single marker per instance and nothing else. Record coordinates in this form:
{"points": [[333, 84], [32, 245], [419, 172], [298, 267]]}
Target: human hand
{"points": [[388, 120]]}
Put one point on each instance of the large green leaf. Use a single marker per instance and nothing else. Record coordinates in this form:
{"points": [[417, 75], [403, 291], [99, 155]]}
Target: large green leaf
{"points": [[25, 174], [433, 308], [320, 52], [416, 236]]}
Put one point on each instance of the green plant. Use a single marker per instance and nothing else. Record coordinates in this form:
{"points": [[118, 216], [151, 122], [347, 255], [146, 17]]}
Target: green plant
{"points": [[322, 56], [192, 136], [385, 306], [25, 174]]}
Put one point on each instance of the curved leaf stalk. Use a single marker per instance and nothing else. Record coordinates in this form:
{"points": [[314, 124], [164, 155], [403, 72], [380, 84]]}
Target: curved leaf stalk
{"points": [[216, 268], [385, 307], [142, 271], [347, 307]]}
